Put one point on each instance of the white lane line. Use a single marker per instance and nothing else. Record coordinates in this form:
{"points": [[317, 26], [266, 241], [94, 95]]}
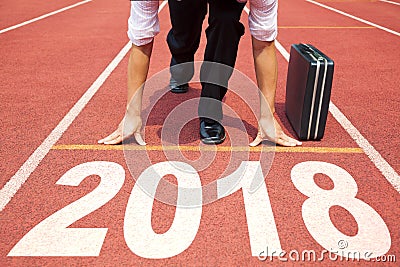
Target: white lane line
{"points": [[383, 166], [20, 177], [354, 17], [390, 2], [282, 50], [376, 158], [43, 16]]}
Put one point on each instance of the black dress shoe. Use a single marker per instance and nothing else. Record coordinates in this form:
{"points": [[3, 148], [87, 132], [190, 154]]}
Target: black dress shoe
{"points": [[211, 132], [178, 88]]}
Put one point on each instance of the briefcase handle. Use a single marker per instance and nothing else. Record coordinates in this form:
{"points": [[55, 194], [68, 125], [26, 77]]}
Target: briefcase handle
{"points": [[309, 50]]}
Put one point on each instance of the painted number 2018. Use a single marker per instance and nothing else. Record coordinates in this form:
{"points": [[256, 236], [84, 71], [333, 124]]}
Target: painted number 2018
{"points": [[52, 237]]}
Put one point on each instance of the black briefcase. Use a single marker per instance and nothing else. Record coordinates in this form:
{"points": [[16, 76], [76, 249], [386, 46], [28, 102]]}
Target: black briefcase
{"points": [[308, 91]]}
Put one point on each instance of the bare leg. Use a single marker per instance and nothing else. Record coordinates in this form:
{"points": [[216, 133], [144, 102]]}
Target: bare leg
{"points": [[266, 68], [138, 67]]}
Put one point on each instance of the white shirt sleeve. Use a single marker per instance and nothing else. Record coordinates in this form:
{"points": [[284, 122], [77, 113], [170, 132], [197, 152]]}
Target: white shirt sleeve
{"points": [[263, 19], [143, 23]]}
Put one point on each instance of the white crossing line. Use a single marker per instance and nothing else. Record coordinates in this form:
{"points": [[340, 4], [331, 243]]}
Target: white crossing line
{"points": [[376, 158], [20, 177], [354, 17], [390, 2], [43, 16]]}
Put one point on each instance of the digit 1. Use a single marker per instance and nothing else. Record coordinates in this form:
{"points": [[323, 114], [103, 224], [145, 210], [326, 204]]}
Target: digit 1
{"points": [[264, 238]]}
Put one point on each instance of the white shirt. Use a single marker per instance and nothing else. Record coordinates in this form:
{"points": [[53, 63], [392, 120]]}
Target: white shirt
{"points": [[144, 25], [263, 19]]}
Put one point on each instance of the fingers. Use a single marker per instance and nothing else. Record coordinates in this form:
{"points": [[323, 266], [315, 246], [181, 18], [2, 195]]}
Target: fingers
{"points": [[294, 141], [111, 137], [117, 140], [139, 139], [256, 141], [282, 140]]}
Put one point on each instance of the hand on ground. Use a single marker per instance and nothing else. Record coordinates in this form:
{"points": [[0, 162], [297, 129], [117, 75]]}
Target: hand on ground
{"points": [[272, 131], [128, 127]]}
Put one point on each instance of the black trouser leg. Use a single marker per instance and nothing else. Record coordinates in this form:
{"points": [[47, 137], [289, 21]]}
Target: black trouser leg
{"points": [[223, 36], [183, 39]]}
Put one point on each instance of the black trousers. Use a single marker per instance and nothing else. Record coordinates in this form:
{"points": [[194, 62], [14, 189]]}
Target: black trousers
{"points": [[223, 35]]}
